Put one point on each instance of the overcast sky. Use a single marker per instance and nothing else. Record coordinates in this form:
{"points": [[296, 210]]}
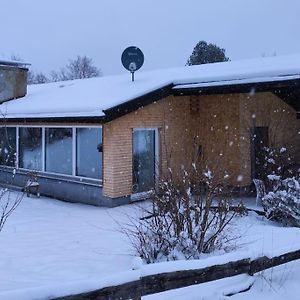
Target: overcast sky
{"points": [[47, 33]]}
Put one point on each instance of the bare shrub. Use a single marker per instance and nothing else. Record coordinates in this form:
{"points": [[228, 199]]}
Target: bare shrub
{"points": [[187, 217], [9, 201]]}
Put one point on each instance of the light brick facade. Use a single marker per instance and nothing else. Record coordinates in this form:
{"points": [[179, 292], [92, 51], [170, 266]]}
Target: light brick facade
{"points": [[220, 124]]}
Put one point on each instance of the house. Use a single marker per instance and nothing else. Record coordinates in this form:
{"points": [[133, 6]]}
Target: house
{"points": [[105, 141]]}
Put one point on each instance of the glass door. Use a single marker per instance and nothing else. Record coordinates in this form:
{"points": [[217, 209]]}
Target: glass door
{"points": [[144, 160]]}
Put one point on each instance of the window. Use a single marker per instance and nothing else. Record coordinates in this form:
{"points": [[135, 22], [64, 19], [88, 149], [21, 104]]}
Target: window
{"points": [[59, 150], [89, 152], [144, 160], [8, 146], [30, 148]]}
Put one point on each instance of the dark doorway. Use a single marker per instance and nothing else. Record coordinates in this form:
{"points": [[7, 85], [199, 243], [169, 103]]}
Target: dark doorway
{"points": [[259, 142]]}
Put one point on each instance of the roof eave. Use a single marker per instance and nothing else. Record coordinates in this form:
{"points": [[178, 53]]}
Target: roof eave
{"points": [[236, 87], [275, 87], [136, 103], [51, 120]]}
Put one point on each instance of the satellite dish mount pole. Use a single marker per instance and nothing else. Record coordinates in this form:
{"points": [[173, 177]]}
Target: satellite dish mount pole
{"points": [[132, 60]]}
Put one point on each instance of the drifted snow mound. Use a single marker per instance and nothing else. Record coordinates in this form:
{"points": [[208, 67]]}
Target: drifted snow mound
{"points": [[283, 204]]}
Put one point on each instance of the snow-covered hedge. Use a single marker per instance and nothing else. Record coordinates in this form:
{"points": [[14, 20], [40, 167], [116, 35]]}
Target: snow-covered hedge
{"points": [[283, 203]]}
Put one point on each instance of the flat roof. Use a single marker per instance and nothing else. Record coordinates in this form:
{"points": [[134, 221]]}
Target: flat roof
{"points": [[17, 64], [95, 96]]}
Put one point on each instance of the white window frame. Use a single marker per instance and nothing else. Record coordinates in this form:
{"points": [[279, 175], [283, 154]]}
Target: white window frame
{"points": [[17, 147], [74, 150], [43, 149]]}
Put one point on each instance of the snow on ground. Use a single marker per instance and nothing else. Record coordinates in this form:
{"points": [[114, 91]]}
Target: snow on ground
{"points": [[48, 242], [51, 248], [257, 236], [275, 284]]}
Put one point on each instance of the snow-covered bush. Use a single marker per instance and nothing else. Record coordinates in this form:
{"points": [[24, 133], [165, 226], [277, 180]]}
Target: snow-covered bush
{"points": [[281, 178], [278, 163], [283, 203], [188, 217]]}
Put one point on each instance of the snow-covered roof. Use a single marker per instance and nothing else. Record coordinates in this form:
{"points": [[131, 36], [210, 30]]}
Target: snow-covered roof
{"points": [[90, 97], [14, 63]]}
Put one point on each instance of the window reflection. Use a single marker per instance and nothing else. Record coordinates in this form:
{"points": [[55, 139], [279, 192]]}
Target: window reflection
{"points": [[89, 152], [30, 148], [8, 146], [143, 160], [59, 150]]}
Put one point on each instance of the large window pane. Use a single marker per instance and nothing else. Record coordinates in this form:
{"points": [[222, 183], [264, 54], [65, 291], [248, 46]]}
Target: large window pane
{"points": [[89, 152], [143, 160], [8, 146], [30, 148], [59, 150]]}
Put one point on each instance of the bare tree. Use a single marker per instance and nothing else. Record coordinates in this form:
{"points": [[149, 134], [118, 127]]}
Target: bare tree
{"points": [[60, 75], [30, 77], [82, 67], [36, 78], [40, 78], [78, 68], [16, 57]]}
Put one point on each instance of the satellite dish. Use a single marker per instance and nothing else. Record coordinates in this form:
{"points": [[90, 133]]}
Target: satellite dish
{"points": [[132, 59]]}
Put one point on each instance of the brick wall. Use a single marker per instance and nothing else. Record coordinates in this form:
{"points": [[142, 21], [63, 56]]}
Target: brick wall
{"points": [[267, 110], [219, 124], [168, 115]]}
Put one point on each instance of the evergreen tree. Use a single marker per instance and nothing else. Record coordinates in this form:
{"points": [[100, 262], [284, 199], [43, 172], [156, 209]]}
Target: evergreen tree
{"points": [[205, 53]]}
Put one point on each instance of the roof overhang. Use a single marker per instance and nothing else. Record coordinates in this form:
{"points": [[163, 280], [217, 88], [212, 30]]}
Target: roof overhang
{"points": [[287, 89], [15, 64], [136, 103], [53, 120]]}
